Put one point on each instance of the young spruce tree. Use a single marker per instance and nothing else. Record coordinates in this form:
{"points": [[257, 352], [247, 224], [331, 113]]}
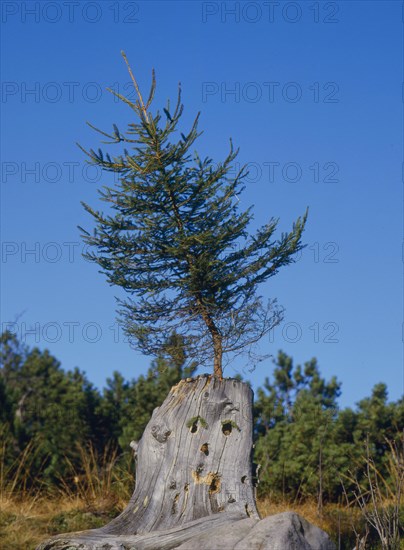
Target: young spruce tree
{"points": [[177, 243]]}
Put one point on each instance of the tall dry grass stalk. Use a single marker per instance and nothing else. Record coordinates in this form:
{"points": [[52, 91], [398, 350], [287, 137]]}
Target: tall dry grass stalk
{"points": [[379, 497], [15, 478], [100, 479], [96, 489]]}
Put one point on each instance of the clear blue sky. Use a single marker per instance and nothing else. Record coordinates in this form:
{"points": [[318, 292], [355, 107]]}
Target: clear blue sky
{"points": [[311, 92]]}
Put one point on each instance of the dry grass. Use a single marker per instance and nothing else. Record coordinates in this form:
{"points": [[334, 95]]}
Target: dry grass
{"points": [[25, 523], [100, 490], [90, 498], [308, 510]]}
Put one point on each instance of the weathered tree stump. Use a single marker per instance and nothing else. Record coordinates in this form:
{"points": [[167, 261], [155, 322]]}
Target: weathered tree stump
{"points": [[194, 481]]}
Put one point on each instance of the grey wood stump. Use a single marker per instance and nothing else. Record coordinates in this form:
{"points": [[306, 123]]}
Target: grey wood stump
{"points": [[194, 482]]}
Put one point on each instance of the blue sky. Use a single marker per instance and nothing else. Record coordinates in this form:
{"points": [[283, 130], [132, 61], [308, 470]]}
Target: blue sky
{"points": [[309, 91]]}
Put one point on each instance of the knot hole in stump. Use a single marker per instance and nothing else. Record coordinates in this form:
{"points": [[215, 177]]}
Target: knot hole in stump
{"points": [[205, 449], [192, 423], [174, 506], [160, 433], [228, 425], [214, 485]]}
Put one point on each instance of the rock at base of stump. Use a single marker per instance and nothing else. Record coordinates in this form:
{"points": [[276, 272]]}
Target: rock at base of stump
{"points": [[223, 531]]}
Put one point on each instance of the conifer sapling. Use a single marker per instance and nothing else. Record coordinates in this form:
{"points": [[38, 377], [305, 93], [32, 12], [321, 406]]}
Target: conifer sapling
{"points": [[177, 242]]}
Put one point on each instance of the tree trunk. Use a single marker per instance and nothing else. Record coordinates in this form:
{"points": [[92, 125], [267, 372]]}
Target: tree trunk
{"points": [[218, 351], [193, 475], [217, 340]]}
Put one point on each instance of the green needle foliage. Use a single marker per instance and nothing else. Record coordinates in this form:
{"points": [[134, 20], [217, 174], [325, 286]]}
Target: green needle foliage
{"points": [[177, 243]]}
